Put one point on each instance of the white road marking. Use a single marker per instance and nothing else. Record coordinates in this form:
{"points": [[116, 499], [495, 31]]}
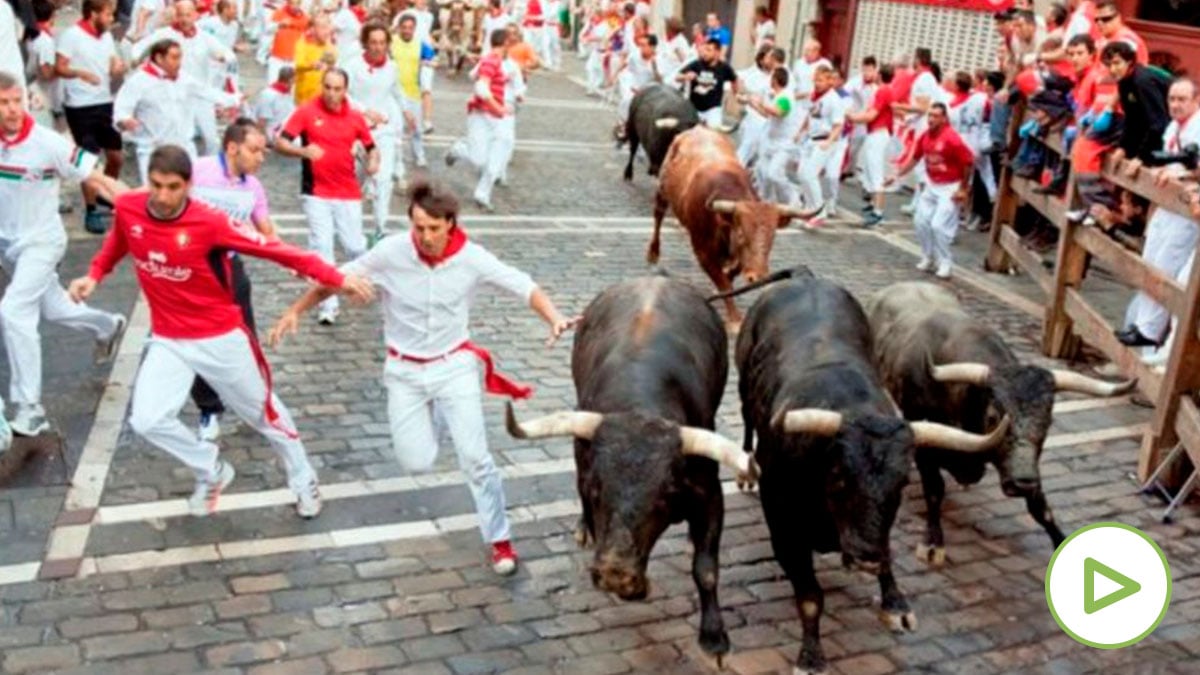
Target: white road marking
{"points": [[21, 573], [1095, 436], [1079, 405]]}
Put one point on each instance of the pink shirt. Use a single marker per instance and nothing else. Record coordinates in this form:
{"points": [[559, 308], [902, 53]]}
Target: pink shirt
{"points": [[242, 198]]}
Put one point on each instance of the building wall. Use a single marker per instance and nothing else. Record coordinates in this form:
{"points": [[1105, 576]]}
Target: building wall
{"points": [[960, 39]]}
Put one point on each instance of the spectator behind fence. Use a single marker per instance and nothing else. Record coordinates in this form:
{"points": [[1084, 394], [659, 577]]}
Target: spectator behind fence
{"points": [[1143, 100]]}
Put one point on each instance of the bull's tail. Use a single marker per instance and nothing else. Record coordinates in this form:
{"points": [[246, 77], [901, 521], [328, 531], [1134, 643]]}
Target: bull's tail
{"points": [[781, 275]]}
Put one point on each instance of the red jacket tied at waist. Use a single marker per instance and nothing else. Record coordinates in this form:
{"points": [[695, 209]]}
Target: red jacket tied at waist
{"points": [[494, 382]]}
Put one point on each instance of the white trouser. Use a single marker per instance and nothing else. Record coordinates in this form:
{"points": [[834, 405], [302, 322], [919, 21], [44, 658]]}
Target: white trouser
{"points": [[872, 160], [1170, 239], [415, 135], [206, 125], [754, 130], [713, 117], [983, 165], [772, 166], [488, 147], [382, 181], [936, 220], [594, 68], [227, 362], [144, 150], [552, 57], [816, 159], [624, 95], [452, 385], [833, 172], [327, 217], [274, 65], [1182, 278], [34, 292]]}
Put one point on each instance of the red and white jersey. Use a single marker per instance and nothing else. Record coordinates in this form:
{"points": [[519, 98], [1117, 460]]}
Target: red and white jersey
{"points": [[490, 80], [33, 164], [174, 264], [947, 157], [534, 15]]}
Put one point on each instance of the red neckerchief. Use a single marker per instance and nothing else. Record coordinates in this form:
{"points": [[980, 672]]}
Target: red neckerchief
{"points": [[26, 129], [959, 98], [360, 12], [458, 239], [189, 34], [372, 66], [154, 71], [89, 28], [1176, 142], [281, 87]]}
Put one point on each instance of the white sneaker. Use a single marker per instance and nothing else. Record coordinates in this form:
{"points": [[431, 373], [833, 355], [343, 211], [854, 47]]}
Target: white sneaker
{"points": [[924, 265], [107, 347], [908, 209], [30, 420], [209, 428], [308, 502], [485, 204], [327, 317], [203, 501], [422, 162], [943, 270]]}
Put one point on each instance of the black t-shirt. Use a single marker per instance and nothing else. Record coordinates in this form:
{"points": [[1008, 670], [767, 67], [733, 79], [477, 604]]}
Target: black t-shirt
{"points": [[708, 89]]}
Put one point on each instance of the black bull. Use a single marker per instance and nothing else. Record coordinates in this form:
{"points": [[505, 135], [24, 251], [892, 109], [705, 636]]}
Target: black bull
{"points": [[649, 363], [834, 453], [657, 115]]}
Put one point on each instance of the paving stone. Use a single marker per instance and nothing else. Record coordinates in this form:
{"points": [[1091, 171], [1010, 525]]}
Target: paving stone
{"points": [[418, 604], [31, 659], [243, 605], [49, 611], [310, 666], [428, 583], [368, 658], [388, 568], [313, 642], [128, 644], [519, 611], [566, 624], [600, 664], [433, 647], [427, 668], [276, 625], [244, 653], [392, 631], [188, 637], [177, 616], [301, 599], [484, 662], [486, 638], [366, 590], [111, 623], [450, 622], [259, 584]]}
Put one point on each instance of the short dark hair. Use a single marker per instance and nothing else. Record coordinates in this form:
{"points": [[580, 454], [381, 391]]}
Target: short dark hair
{"points": [[995, 79], [870, 61], [239, 131], [1057, 14], [9, 81], [1027, 16], [779, 54], [91, 7], [499, 37], [43, 10], [780, 77], [963, 81], [715, 42], [1117, 48], [407, 16], [887, 72], [170, 159], [370, 27], [923, 56], [1112, 4], [940, 106], [337, 71], [652, 39], [433, 199], [1085, 40], [286, 73], [162, 48]]}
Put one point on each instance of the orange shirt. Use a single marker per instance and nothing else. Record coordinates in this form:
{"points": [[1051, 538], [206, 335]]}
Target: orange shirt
{"points": [[291, 27], [524, 56]]}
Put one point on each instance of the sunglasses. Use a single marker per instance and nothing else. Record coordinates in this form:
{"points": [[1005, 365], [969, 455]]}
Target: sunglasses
{"points": [[1105, 19]]}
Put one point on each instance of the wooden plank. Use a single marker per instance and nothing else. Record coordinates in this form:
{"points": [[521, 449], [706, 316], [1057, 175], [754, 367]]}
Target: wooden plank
{"points": [[1058, 338], [1049, 206], [1172, 196], [1187, 427], [1029, 262], [1004, 213], [1096, 332], [1131, 270]]}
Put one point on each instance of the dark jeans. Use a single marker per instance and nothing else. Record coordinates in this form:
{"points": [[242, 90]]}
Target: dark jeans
{"points": [[203, 395]]}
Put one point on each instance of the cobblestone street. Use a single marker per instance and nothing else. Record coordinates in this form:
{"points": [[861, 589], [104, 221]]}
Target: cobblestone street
{"points": [[108, 574]]}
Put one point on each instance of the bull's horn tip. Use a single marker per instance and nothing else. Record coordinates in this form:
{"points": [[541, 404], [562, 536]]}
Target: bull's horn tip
{"points": [[510, 422]]}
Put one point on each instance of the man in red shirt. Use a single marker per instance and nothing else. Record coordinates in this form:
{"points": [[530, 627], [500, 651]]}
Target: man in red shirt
{"points": [[323, 133], [1113, 29], [948, 164], [197, 328], [489, 138], [872, 157]]}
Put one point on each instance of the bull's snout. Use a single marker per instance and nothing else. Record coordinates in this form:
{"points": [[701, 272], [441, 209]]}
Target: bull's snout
{"points": [[1020, 487], [751, 277], [622, 580]]}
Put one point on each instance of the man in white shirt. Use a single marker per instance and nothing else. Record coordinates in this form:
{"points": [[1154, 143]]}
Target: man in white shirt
{"points": [[427, 279], [783, 122], [11, 60], [375, 91], [148, 16], [552, 48], [275, 104], [676, 53], [200, 49], [42, 55], [32, 243], [640, 71], [224, 26], [347, 31], [861, 87], [1170, 237], [87, 61], [804, 70], [826, 146], [153, 103]]}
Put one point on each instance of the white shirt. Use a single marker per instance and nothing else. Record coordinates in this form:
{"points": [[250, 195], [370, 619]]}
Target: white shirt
{"points": [[762, 31], [1174, 140], [828, 113], [641, 71], [514, 85], [227, 34], [674, 55], [199, 51], [492, 24], [802, 76], [1079, 23], [157, 9], [29, 188], [426, 310], [163, 108], [861, 93], [347, 30], [375, 89], [275, 107], [967, 120], [11, 60], [94, 55], [551, 10], [42, 52]]}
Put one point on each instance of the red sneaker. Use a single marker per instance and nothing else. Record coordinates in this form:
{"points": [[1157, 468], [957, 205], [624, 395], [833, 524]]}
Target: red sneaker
{"points": [[504, 558]]}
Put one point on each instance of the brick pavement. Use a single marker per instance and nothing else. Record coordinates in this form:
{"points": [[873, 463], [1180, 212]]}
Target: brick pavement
{"points": [[417, 598]]}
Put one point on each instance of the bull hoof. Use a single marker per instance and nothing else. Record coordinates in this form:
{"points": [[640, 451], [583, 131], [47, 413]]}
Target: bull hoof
{"points": [[652, 255], [716, 646], [899, 623], [934, 556], [747, 484], [583, 537]]}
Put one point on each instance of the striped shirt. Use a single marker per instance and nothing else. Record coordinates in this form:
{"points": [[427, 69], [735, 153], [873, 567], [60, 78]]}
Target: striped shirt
{"points": [[32, 165]]}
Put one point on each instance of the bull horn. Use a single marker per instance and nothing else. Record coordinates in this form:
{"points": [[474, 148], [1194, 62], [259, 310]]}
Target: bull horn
{"points": [[722, 205], [705, 443], [965, 373], [666, 123], [932, 434], [797, 212], [1067, 380], [564, 423], [816, 421]]}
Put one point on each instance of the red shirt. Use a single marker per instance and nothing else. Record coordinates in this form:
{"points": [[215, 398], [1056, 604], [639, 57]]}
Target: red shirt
{"points": [[1127, 34], [1086, 87], [947, 157], [491, 68], [333, 176], [174, 263], [902, 83], [885, 96]]}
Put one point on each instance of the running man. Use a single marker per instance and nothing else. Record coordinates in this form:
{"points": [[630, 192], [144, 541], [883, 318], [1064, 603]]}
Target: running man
{"points": [[32, 243], [197, 328], [427, 278], [375, 90], [331, 194], [489, 130], [412, 58]]}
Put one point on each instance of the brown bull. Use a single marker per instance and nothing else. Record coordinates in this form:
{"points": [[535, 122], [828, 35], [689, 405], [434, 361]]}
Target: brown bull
{"points": [[709, 191]]}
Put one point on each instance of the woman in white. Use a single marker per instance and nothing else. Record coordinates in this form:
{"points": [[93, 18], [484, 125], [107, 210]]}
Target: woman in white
{"points": [[375, 91]]}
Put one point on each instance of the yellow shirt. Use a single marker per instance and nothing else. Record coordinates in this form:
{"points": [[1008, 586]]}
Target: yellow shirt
{"points": [[407, 56], [308, 77]]}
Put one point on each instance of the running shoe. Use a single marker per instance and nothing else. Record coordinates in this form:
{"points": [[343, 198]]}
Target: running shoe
{"points": [[209, 428], [504, 558], [308, 502], [203, 501], [30, 420], [107, 348]]}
